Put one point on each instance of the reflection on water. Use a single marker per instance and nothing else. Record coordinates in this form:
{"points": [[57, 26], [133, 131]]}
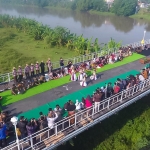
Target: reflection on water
{"points": [[102, 27]]}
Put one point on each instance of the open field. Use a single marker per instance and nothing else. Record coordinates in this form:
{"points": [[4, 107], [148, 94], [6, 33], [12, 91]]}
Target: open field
{"points": [[18, 48]]}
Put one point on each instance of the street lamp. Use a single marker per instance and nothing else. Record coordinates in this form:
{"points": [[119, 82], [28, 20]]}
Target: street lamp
{"points": [[143, 40], [14, 122]]}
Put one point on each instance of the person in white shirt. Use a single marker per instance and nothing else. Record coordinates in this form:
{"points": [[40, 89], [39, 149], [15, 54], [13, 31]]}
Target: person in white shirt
{"points": [[78, 105], [57, 108], [141, 78], [52, 116]]}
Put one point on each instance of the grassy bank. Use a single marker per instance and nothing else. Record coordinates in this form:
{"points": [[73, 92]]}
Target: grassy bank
{"points": [[142, 14], [127, 130], [18, 48]]}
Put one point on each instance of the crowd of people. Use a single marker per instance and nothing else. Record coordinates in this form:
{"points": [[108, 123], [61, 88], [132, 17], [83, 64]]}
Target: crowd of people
{"points": [[27, 127], [35, 74]]}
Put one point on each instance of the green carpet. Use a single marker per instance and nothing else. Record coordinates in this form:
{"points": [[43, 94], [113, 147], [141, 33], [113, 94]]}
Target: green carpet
{"points": [[34, 113], [8, 98]]}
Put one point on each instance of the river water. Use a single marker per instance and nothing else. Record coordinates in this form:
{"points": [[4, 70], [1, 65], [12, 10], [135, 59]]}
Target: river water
{"points": [[124, 29]]}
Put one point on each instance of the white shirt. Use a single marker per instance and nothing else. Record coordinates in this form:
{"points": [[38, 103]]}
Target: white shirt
{"points": [[78, 106], [51, 121], [141, 78]]}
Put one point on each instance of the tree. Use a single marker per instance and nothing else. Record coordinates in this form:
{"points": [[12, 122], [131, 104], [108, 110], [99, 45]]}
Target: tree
{"points": [[124, 7]]}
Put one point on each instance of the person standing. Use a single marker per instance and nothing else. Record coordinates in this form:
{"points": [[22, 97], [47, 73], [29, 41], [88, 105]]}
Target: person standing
{"points": [[22, 126], [2, 135], [27, 71], [37, 68], [14, 72], [32, 70], [83, 82], [20, 73], [42, 65], [49, 65], [61, 63], [97, 99]]}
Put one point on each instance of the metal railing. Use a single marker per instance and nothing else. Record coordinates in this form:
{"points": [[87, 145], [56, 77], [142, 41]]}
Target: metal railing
{"points": [[82, 58], [82, 120]]}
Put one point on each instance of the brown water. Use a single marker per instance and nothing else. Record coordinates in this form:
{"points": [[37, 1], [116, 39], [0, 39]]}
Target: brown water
{"points": [[123, 29]]}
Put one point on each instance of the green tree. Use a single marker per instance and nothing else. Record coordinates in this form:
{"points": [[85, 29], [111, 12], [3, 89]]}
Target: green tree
{"points": [[124, 7]]}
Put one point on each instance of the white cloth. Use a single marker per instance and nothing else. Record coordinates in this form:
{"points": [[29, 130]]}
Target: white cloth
{"points": [[83, 83], [73, 77], [80, 77], [110, 61], [78, 105], [51, 121], [47, 77], [141, 78], [66, 71]]}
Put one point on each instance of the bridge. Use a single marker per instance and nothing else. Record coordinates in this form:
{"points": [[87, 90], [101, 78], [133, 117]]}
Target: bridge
{"points": [[83, 120]]}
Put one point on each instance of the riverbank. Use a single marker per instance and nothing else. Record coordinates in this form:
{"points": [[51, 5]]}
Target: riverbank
{"points": [[142, 14], [18, 48]]}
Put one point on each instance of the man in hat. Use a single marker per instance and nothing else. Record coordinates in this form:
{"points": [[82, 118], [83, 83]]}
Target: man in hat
{"points": [[49, 65], [27, 70], [37, 68], [20, 73], [42, 65], [32, 70], [14, 72]]}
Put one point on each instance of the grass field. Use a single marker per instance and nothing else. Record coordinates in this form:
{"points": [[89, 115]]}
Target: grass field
{"points": [[18, 48], [8, 98]]}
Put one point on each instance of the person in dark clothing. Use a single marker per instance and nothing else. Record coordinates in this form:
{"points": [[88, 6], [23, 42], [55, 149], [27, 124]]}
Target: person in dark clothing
{"points": [[109, 90], [22, 126], [71, 111], [42, 122], [61, 63], [71, 107], [42, 65]]}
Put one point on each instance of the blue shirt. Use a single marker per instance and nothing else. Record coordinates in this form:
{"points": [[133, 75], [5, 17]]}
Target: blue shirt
{"points": [[3, 132]]}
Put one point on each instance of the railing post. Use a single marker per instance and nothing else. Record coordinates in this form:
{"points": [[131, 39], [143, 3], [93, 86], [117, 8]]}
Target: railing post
{"points": [[83, 58], [74, 60], [93, 111], [75, 123], [31, 140], [121, 96], [108, 103], [56, 129], [8, 77], [143, 85]]}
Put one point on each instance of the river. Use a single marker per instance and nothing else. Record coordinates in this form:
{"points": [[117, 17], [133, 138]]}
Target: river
{"points": [[124, 29]]}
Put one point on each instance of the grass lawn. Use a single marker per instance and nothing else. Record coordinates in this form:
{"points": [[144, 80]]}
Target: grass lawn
{"points": [[18, 48], [8, 98]]}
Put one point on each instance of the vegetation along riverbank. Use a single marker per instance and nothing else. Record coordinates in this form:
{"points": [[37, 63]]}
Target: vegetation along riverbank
{"points": [[27, 41], [119, 7], [143, 13]]}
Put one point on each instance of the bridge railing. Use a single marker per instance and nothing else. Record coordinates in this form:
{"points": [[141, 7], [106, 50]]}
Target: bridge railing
{"points": [[63, 127], [8, 76]]}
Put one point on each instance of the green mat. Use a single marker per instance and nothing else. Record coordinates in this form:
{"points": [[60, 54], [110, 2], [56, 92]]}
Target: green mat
{"points": [[8, 98], [34, 113]]}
